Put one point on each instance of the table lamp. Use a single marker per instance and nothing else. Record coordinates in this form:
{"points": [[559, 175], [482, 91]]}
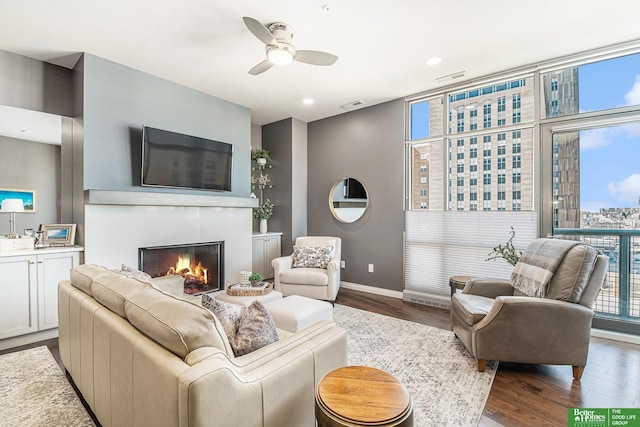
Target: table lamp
{"points": [[12, 206]]}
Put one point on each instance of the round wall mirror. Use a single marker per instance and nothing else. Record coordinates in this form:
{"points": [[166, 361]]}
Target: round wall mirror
{"points": [[348, 200]]}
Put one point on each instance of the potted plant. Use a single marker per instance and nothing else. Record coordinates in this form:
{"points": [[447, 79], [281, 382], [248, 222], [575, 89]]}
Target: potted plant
{"points": [[263, 213], [260, 156], [255, 279]]}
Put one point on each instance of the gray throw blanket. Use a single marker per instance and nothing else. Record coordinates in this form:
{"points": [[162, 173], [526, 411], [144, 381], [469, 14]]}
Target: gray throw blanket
{"points": [[535, 268]]}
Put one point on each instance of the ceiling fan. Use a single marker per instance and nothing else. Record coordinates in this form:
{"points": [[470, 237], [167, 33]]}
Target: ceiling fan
{"points": [[280, 51]]}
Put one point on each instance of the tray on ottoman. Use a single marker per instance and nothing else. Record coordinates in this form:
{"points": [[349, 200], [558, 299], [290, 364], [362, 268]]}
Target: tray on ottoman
{"points": [[240, 290]]}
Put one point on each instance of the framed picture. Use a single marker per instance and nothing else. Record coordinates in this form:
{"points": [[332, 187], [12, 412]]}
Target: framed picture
{"points": [[28, 197], [58, 234]]}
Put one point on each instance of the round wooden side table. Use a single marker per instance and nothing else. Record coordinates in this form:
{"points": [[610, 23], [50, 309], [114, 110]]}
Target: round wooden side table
{"points": [[362, 396]]}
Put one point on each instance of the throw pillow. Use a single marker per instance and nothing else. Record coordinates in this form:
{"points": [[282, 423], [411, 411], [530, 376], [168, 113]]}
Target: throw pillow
{"points": [[256, 329], [227, 314], [135, 273], [312, 256]]}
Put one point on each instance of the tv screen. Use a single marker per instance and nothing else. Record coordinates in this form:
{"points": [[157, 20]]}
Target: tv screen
{"points": [[176, 160]]}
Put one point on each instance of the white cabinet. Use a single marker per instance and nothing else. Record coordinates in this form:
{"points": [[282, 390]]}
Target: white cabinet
{"points": [[18, 296], [29, 288], [266, 248]]}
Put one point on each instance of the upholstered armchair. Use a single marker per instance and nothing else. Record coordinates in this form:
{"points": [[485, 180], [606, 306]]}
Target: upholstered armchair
{"points": [[313, 270], [542, 315]]}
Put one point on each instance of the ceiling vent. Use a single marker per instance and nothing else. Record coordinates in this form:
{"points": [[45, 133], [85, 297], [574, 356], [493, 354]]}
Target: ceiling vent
{"points": [[450, 77], [353, 104]]}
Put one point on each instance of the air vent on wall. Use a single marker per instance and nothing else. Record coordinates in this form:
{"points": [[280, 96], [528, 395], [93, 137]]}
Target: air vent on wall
{"points": [[450, 77]]}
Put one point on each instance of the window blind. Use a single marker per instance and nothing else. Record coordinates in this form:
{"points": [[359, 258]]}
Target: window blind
{"points": [[441, 244]]}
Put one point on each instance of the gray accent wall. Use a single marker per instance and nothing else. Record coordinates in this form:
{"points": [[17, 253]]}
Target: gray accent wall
{"points": [[287, 142], [34, 85], [118, 101], [32, 166], [367, 144]]}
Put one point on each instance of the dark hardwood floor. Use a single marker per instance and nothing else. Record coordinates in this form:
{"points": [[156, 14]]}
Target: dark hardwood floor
{"points": [[533, 395], [521, 395]]}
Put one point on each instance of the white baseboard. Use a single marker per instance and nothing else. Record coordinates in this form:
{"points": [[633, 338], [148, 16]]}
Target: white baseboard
{"points": [[371, 290], [28, 339], [617, 336]]}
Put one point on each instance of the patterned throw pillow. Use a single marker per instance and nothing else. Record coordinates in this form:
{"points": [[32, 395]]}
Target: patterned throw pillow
{"points": [[256, 329], [227, 314], [135, 274], [312, 256]]}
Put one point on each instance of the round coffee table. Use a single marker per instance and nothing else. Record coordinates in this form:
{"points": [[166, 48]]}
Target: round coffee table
{"points": [[362, 396]]}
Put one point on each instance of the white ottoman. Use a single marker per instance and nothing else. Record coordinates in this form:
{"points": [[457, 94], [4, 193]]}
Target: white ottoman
{"points": [[295, 312], [246, 301]]}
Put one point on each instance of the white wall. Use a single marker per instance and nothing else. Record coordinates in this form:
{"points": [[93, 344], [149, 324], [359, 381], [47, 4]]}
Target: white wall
{"points": [[114, 232]]}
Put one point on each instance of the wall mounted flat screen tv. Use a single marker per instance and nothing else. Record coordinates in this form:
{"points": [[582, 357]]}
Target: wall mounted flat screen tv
{"points": [[175, 160]]}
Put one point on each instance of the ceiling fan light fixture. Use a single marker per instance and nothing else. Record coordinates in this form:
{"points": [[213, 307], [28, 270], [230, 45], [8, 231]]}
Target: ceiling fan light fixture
{"points": [[280, 55]]}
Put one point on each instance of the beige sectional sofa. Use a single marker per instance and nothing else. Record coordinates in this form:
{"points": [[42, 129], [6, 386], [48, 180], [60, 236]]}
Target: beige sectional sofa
{"points": [[142, 357]]}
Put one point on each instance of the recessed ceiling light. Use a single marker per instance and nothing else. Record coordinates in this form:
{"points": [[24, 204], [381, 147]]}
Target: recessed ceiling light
{"points": [[25, 131], [327, 8], [307, 101], [434, 61]]}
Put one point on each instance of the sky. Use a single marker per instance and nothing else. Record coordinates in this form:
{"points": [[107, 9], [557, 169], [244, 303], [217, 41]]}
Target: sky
{"points": [[610, 157]]}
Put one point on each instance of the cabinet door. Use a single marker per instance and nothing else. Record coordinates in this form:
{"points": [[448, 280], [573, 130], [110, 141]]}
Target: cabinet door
{"points": [[257, 263], [272, 251], [18, 306], [52, 268]]}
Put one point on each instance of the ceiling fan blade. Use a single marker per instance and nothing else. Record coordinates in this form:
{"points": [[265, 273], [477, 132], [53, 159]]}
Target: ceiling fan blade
{"points": [[261, 67], [259, 30], [315, 57]]}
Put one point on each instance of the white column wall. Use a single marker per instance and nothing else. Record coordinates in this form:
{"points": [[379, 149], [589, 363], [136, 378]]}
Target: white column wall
{"points": [[113, 233]]}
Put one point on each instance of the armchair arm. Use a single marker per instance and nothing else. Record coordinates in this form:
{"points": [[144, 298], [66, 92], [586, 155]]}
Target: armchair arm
{"points": [[333, 271], [534, 330], [279, 265], [488, 287]]}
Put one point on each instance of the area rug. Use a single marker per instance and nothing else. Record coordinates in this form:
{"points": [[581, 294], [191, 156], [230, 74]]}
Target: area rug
{"points": [[35, 392], [437, 370]]}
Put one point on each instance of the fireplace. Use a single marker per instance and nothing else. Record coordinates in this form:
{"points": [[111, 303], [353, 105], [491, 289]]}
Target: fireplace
{"points": [[201, 265]]}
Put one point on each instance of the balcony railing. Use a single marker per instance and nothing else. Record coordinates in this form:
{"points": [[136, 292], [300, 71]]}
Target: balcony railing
{"points": [[621, 300]]}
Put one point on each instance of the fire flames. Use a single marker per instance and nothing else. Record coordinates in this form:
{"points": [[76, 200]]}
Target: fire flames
{"points": [[195, 277]]}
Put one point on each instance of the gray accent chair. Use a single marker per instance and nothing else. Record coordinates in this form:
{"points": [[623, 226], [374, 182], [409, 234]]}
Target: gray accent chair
{"points": [[497, 322], [318, 283]]}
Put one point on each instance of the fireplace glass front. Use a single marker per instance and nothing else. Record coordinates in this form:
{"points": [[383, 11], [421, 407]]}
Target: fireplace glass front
{"points": [[201, 265]]}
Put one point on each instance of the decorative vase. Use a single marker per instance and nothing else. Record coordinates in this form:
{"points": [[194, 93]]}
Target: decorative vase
{"points": [[263, 226], [261, 161]]}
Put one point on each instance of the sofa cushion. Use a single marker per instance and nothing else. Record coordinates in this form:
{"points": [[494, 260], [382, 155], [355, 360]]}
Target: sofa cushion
{"points": [[176, 324], [472, 308], [112, 289], [312, 256], [571, 276], [305, 276], [228, 314], [256, 329], [82, 276]]}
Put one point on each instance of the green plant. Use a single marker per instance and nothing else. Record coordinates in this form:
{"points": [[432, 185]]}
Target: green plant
{"points": [[263, 211], [260, 153], [506, 252], [255, 277]]}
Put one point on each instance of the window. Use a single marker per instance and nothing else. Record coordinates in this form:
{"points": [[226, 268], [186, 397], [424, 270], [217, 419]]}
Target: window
{"points": [[473, 168], [516, 147], [516, 177], [473, 153], [461, 168], [423, 180], [502, 163], [460, 181], [486, 164], [502, 104], [420, 114], [517, 162], [423, 191], [487, 114], [486, 179], [423, 168], [502, 150]]}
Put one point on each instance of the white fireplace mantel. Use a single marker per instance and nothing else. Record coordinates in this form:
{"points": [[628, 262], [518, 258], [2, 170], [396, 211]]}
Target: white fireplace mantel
{"points": [[147, 198]]}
